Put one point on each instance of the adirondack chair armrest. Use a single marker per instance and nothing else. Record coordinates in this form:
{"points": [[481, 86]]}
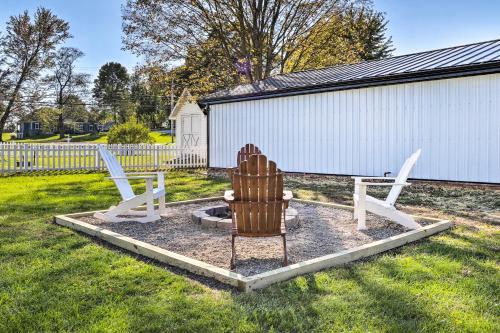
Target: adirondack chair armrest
{"points": [[134, 177], [160, 175], [143, 173], [358, 179], [229, 196], [382, 184]]}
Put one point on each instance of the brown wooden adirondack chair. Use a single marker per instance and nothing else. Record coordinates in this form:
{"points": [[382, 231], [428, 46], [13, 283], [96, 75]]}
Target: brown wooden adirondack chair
{"points": [[258, 202], [243, 155]]}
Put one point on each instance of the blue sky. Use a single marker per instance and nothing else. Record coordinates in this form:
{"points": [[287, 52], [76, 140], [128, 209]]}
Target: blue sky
{"points": [[94, 24], [415, 25], [421, 25]]}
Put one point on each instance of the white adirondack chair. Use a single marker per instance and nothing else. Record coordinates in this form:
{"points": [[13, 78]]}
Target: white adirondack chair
{"points": [[131, 200], [385, 208]]}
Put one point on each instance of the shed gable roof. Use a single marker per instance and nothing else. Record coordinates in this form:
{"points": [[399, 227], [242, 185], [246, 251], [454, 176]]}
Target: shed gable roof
{"points": [[477, 58], [183, 99]]}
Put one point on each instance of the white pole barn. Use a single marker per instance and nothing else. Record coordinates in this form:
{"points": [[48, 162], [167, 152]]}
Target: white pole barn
{"points": [[365, 119]]}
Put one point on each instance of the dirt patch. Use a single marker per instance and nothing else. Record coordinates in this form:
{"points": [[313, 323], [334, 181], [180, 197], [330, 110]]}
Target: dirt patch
{"points": [[322, 230]]}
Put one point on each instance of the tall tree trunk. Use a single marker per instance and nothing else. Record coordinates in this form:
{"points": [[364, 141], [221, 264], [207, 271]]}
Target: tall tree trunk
{"points": [[10, 105], [60, 120], [2, 125], [60, 126]]}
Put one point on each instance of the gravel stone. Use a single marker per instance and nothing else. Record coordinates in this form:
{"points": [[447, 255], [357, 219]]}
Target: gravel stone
{"points": [[322, 230]]}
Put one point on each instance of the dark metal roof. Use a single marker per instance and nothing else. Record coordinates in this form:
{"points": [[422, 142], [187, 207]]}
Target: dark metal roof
{"points": [[471, 59]]}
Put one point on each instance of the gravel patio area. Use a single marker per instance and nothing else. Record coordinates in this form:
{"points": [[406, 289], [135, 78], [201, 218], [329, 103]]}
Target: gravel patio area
{"points": [[322, 230]]}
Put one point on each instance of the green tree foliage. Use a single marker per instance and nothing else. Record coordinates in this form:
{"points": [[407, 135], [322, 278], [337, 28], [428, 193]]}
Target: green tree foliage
{"points": [[75, 109], [149, 92], [205, 70], [111, 90], [129, 133], [98, 115], [25, 51], [345, 37], [47, 116]]}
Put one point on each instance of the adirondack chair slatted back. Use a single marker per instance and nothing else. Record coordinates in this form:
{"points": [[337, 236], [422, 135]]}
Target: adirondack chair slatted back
{"points": [[258, 197], [402, 176], [246, 151], [243, 154], [116, 170]]}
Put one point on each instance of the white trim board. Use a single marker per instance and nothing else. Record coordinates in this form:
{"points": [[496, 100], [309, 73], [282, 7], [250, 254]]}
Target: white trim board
{"points": [[258, 281]]}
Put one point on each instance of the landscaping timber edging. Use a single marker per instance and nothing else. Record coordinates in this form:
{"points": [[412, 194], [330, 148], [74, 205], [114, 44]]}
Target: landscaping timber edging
{"points": [[258, 281]]}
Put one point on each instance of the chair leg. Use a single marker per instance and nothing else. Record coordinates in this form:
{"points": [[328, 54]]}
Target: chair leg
{"points": [[233, 252], [161, 204], [285, 256], [355, 212], [150, 207], [361, 207]]}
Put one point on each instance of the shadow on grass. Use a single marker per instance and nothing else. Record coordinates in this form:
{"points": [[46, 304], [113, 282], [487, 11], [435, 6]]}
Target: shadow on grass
{"points": [[72, 277], [50, 173], [393, 291], [73, 196], [87, 137]]}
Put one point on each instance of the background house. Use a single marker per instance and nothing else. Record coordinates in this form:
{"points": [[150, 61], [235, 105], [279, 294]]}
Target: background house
{"points": [[27, 129], [366, 118], [30, 127], [106, 126]]}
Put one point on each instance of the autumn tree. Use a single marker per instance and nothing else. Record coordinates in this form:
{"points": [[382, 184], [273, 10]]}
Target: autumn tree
{"points": [[25, 51], [66, 82], [345, 37], [266, 33], [111, 90], [205, 70]]}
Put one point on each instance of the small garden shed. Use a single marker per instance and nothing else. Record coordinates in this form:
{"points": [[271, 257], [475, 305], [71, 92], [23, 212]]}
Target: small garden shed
{"points": [[366, 118], [190, 122]]}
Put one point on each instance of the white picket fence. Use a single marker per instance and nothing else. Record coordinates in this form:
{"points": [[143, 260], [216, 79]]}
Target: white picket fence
{"points": [[20, 157]]}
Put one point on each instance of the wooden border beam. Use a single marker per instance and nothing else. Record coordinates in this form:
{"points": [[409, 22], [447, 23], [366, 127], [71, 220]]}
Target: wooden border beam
{"points": [[258, 281]]}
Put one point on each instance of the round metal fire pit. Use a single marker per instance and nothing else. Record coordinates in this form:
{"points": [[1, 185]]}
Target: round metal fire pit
{"points": [[220, 217]]}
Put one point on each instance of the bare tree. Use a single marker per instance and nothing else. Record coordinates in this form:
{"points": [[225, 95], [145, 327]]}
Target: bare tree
{"points": [[27, 48], [65, 81], [265, 32]]}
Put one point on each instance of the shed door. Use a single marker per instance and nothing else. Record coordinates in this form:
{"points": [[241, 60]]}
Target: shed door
{"points": [[191, 130]]}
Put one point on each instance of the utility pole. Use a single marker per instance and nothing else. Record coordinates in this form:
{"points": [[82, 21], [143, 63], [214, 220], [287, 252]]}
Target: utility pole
{"points": [[172, 131]]}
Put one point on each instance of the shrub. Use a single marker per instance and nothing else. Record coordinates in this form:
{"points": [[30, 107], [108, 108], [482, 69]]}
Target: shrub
{"points": [[129, 133], [13, 136]]}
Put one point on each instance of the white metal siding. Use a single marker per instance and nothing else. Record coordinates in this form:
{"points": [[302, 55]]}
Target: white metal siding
{"points": [[369, 131]]}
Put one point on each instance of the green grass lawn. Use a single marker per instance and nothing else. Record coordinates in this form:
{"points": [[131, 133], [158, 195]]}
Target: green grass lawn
{"points": [[92, 138], [54, 279]]}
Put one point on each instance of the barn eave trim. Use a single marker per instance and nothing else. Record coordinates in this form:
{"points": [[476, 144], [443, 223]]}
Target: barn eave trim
{"points": [[483, 69]]}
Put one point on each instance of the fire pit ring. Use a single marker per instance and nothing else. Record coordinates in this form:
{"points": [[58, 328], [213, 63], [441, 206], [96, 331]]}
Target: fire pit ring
{"points": [[220, 217]]}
